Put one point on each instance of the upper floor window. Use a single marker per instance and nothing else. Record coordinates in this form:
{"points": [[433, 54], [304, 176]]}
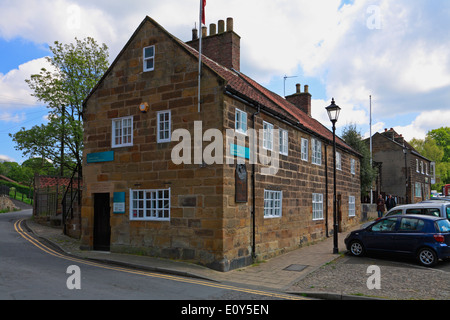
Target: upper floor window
{"points": [[268, 135], [353, 166], [304, 151], [316, 151], [122, 132], [284, 142], [163, 126], [241, 121], [338, 161], [149, 58]]}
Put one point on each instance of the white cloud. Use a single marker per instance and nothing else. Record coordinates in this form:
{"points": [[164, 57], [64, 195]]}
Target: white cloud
{"points": [[4, 158], [14, 91]]}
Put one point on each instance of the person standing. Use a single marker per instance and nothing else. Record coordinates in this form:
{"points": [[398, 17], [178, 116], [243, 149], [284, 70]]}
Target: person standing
{"points": [[390, 203], [380, 206]]}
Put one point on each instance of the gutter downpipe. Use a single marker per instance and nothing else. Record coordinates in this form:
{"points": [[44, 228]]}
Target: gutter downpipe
{"points": [[253, 193]]}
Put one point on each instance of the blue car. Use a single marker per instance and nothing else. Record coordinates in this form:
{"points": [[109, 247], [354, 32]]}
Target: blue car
{"points": [[425, 237]]}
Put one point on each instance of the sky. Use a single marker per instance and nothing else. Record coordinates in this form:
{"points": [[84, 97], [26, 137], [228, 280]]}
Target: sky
{"points": [[385, 62]]}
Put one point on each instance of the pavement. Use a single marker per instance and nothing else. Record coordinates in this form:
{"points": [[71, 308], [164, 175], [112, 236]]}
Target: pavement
{"points": [[276, 274]]}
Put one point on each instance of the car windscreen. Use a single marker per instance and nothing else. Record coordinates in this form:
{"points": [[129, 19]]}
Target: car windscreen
{"points": [[443, 225]]}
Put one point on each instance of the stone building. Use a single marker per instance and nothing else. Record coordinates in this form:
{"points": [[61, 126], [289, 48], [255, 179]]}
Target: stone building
{"points": [[162, 177], [403, 172]]}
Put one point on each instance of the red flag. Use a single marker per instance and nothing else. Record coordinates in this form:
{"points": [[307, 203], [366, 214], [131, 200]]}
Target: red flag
{"points": [[203, 11]]}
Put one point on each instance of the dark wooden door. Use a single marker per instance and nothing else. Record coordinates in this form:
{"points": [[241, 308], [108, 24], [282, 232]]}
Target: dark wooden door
{"points": [[102, 228]]}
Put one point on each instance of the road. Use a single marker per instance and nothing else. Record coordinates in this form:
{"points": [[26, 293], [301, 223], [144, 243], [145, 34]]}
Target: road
{"points": [[30, 269]]}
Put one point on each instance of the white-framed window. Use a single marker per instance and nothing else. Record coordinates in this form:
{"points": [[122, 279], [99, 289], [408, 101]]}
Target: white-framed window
{"points": [[267, 135], [284, 142], [417, 165], [316, 151], [149, 58], [122, 132], [163, 126], [338, 161], [304, 151], [272, 203], [317, 206], [351, 206], [421, 167], [418, 189], [150, 204], [353, 166], [241, 121]]}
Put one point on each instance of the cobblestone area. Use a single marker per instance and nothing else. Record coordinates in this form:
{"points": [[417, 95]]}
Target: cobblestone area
{"points": [[399, 281]]}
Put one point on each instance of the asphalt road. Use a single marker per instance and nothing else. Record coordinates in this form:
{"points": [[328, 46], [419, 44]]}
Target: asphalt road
{"points": [[31, 270]]}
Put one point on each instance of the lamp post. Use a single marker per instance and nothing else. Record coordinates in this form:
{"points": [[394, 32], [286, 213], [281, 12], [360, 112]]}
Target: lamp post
{"points": [[333, 113]]}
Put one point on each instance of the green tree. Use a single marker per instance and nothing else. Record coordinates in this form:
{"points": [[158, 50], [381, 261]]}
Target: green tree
{"points": [[76, 69], [353, 138], [442, 138]]}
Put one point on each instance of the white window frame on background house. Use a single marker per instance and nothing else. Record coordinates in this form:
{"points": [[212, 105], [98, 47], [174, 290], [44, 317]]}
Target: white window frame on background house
{"points": [[284, 142], [163, 126], [353, 166], [267, 135], [304, 149], [273, 203], [122, 132], [338, 161], [317, 206], [351, 206], [316, 151], [241, 121], [151, 204], [149, 57]]}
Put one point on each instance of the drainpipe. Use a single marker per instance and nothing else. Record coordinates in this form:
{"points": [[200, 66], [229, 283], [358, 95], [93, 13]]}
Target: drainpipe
{"points": [[326, 191], [253, 193]]}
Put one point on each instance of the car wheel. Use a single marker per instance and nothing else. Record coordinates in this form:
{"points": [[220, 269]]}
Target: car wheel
{"points": [[427, 257], [357, 248]]}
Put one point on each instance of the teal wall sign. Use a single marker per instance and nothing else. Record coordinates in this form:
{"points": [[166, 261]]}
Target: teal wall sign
{"points": [[239, 151], [100, 157], [119, 202]]}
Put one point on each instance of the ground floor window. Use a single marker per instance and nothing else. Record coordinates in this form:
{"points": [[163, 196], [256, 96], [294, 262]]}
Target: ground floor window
{"points": [[351, 206], [150, 204], [272, 203], [317, 206]]}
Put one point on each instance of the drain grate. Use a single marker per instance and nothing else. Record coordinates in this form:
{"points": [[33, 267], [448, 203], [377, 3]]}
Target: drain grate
{"points": [[296, 267]]}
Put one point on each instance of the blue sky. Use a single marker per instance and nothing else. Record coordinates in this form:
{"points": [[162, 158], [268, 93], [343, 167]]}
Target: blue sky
{"points": [[393, 50]]}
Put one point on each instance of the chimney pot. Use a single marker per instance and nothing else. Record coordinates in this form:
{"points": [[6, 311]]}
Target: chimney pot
{"points": [[212, 29], [306, 88], [298, 89], [221, 26], [194, 34], [229, 24], [204, 31]]}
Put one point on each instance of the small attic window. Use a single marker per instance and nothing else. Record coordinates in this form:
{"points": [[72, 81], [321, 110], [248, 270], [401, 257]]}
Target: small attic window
{"points": [[149, 58]]}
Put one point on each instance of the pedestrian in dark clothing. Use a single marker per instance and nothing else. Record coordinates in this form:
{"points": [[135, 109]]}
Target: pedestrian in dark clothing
{"points": [[380, 206], [390, 203]]}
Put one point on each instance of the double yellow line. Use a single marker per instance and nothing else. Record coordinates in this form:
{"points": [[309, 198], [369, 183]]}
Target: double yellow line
{"points": [[38, 244]]}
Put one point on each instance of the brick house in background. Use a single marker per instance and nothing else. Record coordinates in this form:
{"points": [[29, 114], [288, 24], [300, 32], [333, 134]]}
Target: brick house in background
{"points": [[403, 172], [136, 199]]}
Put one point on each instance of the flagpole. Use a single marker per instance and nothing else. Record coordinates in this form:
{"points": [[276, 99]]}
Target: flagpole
{"points": [[200, 52]]}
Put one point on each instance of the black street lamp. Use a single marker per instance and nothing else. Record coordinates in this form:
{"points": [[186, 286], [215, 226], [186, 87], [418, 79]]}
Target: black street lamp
{"points": [[333, 113]]}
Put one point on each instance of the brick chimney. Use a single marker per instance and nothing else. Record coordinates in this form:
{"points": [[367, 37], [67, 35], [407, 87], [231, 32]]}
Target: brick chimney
{"points": [[222, 46], [302, 100]]}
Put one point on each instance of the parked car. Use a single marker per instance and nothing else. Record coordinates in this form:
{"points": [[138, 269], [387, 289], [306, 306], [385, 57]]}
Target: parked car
{"points": [[430, 208], [425, 237]]}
